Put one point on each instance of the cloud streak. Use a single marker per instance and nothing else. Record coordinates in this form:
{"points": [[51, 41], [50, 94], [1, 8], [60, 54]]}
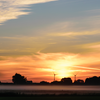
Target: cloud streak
{"points": [[12, 9]]}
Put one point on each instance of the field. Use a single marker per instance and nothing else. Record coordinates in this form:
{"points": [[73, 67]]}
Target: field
{"points": [[53, 98], [17, 96]]}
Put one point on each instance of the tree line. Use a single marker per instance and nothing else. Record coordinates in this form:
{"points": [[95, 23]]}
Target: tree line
{"points": [[19, 79]]}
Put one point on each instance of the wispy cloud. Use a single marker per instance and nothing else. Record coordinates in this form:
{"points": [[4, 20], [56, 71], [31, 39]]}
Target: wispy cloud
{"points": [[86, 26], [76, 33], [12, 9], [93, 46]]}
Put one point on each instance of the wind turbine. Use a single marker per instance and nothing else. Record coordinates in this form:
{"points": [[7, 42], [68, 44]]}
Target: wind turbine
{"points": [[75, 77], [54, 76]]}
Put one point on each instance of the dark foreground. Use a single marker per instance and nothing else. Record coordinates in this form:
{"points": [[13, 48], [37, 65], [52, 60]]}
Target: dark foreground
{"points": [[53, 98], [17, 96]]}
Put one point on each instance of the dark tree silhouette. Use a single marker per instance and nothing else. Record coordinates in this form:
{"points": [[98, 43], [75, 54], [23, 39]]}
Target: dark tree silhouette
{"points": [[67, 81], [79, 82], [56, 82], [29, 82], [93, 80], [44, 82], [19, 79]]}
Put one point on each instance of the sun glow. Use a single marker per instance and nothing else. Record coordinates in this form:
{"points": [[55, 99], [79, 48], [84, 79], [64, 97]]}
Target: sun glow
{"points": [[63, 73], [62, 69]]}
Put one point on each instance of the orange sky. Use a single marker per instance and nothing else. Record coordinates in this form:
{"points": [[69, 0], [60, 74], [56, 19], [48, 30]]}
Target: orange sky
{"points": [[42, 66]]}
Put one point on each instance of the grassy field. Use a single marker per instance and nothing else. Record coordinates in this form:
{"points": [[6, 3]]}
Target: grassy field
{"points": [[53, 98], [19, 96]]}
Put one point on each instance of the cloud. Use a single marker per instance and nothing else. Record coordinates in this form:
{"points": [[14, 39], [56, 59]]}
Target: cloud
{"points": [[87, 22], [12, 9], [76, 33], [94, 46], [18, 46], [86, 26]]}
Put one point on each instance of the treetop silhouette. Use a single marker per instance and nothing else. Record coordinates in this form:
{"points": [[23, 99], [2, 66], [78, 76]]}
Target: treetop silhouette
{"points": [[19, 79], [66, 81]]}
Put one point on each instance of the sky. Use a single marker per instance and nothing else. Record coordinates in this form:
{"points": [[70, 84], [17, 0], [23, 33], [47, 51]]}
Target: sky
{"points": [[41, 37]]}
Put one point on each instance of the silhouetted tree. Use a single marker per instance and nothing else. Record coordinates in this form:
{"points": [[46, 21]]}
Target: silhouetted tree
{"points": [[44, 82], [55, 82], [79, 82], [93, 80], [29, 82], [19, 79], [67, 81]]}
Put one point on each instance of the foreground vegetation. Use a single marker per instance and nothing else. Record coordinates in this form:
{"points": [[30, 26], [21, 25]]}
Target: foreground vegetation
{"points": [[53, 98], [17, 96]]}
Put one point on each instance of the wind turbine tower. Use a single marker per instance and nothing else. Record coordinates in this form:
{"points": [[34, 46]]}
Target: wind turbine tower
{"points": [[54, 76], [74, 78]]}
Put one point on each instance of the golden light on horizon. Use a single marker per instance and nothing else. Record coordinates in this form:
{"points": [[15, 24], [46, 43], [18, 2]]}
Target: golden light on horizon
{"points": [[63, 73], [44, 65], [62, 68]]}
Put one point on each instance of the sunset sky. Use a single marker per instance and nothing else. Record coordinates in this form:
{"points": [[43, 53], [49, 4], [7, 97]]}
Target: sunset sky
{"points": [[41, 37]]}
